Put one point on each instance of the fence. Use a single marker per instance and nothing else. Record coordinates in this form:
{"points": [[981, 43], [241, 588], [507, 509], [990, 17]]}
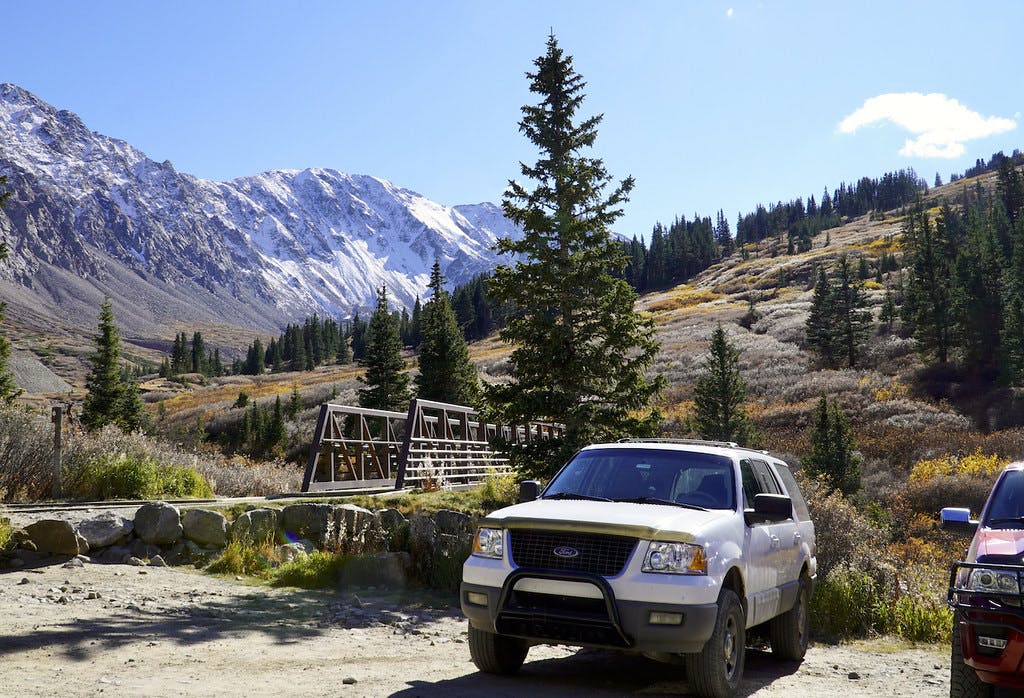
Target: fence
{"points": [[434, 445]]}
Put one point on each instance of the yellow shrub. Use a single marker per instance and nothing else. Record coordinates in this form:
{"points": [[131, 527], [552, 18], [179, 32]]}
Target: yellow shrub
{"points": [[682, 297], [975, 464], [895, 391]]}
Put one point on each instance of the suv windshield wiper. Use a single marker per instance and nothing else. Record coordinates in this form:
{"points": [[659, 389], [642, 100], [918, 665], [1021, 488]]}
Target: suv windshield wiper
{"points": [[575, 495], [1006, 519], [658, 500]]}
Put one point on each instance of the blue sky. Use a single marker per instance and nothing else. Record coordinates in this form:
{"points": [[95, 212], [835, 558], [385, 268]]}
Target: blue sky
{"points": [[709, 105]]}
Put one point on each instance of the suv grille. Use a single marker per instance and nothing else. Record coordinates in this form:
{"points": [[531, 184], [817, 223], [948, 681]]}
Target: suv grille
{"points": [[597, 553]]}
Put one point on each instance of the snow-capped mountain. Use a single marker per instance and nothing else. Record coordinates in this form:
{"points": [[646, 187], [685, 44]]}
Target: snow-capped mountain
{"points": [[91, 215]]}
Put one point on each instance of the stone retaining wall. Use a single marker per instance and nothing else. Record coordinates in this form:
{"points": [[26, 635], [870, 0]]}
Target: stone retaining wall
{"points": [[384, 548]]}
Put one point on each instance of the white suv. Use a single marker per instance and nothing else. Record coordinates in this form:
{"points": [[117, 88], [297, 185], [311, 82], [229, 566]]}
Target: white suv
{"points": [[663, 547]]}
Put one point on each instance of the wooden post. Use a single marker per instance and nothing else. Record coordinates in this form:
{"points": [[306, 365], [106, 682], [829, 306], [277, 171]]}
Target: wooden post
{"points": [[58, 431]]}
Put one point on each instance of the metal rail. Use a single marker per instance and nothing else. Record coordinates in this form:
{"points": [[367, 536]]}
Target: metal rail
{"points": [[435, 445]]}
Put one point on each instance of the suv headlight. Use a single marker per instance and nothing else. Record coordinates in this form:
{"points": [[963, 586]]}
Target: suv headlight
{"points": [[675, 558], [994, 581], [489, 542]]}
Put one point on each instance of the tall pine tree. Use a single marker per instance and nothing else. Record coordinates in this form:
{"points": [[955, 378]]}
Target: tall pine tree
{"points": [[719, 395], [446, 374], [111, 399], [387, 383], [581, 350], [833, 451]]}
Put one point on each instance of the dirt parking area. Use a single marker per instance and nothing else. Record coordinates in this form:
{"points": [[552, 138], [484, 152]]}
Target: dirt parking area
{"points": [[115, 630]]}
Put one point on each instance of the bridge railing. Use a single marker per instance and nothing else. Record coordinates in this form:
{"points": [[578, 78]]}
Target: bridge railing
{"points": [[434, 445]]}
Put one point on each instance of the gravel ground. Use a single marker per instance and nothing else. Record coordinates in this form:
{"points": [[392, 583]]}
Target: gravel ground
{"points": [[116, 630]]}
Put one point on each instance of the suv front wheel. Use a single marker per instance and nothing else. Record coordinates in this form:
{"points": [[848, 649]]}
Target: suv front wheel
{"points": [[496, 654], [716, 670]]}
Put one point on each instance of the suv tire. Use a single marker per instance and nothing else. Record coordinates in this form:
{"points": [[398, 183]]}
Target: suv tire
{"points": [[496, 654], [716, 670], [788, 632], [963, 682]]}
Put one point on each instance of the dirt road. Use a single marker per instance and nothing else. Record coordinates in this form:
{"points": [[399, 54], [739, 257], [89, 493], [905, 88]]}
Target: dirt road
{"points": [[115, 630]]}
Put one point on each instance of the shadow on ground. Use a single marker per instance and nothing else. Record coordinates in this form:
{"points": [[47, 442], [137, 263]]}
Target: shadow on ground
{"points": [[596, 673]]}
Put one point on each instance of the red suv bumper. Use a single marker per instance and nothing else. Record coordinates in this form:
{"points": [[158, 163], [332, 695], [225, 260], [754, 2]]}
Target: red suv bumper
{"points": [[991, 626]]}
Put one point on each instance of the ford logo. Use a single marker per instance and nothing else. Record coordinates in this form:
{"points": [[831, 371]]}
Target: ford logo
{"points": [[566, 551]]}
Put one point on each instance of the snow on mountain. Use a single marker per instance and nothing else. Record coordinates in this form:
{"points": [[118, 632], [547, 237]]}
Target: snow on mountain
{"points": [[257, 250]]}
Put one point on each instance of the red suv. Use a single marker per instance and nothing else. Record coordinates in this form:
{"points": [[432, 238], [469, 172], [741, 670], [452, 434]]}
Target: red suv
{"points": [[986, 592]]}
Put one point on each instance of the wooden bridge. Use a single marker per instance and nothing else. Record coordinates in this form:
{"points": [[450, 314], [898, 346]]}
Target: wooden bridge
{"points": [[434, 445]]}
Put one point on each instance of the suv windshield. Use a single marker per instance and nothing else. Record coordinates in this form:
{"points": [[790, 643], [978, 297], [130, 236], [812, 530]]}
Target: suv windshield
{"points": [[648, 475], [1006, 505]]}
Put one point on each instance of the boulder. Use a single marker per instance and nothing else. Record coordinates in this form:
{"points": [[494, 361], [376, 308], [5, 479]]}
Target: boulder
{"points": [[312, 521], [105, 530], [55, 537], [255, 526], [387, 570], [290, 551], [205, 527], [143, 550], [356, 529], [394, 529], [158, 523]]}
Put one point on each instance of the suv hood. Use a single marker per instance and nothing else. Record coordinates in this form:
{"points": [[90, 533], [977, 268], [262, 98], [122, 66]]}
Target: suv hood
{"points": [[645, 521], [1000, 543]]}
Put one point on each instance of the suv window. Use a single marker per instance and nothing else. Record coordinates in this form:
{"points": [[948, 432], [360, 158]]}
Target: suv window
{"points": [[793, 490], [757, 479]]}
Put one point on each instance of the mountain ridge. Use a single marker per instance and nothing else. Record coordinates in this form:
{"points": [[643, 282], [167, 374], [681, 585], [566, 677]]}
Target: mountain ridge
{"points": [[90, 215]]}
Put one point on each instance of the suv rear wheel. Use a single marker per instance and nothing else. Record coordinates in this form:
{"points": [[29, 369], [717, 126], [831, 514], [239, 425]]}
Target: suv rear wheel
{"points": [[788, 632], [496, 654], [716, 670], [963, 682]]}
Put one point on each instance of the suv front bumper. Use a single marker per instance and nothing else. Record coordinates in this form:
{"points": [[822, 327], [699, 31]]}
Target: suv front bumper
{"points": [[596, 619], [991, 625]]}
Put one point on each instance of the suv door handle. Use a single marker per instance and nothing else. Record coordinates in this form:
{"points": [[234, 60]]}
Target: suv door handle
{"points": [[776, 543], [797, 538]]}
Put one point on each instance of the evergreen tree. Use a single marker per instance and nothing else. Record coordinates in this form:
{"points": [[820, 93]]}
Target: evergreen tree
{"points": [[819, 329], [888, 314], [445, 372], [387, 383], [851, 317], [416, 324], [928, 305], [581, 351], [294, 403], [833, 451], [719, 395], [344, 352], [8, 390], [110, 399], [198, 356]]}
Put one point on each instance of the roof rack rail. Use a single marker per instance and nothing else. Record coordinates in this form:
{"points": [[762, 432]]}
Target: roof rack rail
{"points": [[690, 442]]}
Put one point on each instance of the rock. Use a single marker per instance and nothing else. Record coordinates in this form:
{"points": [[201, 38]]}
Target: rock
{"points": [[105, 530], [158, 523], [453, 523], [143, 550], [14, 563], [290, 551], [84, 558], [117, 554], [255, 526], [312, 521], [388, 570], [853, 676], [134, 561], [52, 536], [157, 561], [357, 530], [73, 562], [349, 681], [205, 527]]}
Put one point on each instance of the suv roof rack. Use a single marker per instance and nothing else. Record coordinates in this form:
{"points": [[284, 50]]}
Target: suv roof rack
{"points": [[690, 442]]}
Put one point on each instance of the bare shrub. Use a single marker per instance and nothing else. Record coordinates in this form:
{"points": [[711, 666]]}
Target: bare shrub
{"points": [[240, 477], [26, 456], [843, 534]]}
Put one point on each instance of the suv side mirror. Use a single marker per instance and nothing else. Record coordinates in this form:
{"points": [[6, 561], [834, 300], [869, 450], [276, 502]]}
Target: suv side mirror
{"points": [[529, 490], [957, 519], [770, 507]]}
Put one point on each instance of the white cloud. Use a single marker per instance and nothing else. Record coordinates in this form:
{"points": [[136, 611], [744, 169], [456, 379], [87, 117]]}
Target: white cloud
{"points": [[728, 13], [941, 124]]}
